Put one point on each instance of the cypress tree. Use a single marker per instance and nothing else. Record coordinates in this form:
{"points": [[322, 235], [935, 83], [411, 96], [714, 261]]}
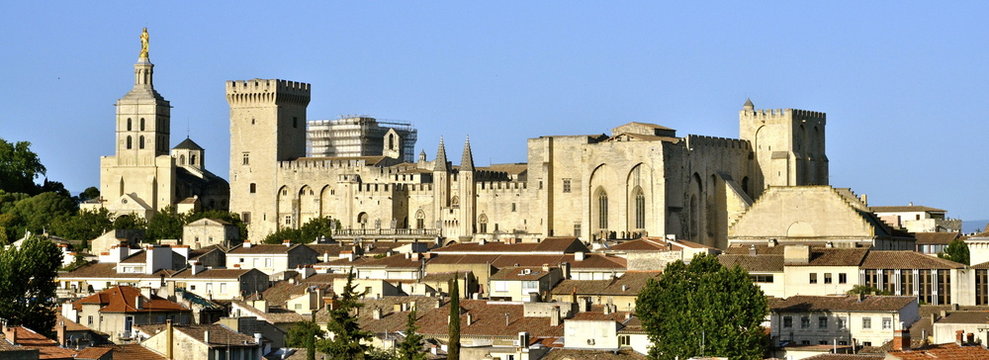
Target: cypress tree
{"points": [[453, 343]]}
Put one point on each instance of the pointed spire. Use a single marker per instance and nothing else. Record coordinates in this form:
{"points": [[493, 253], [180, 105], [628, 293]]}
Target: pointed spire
{"points": [[748, 104], [440, 164], [467, 161]]}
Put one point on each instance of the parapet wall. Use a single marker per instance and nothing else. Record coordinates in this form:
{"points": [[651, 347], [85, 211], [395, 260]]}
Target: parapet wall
{"points": [[267, 91], [784, 112], [718, 142]]}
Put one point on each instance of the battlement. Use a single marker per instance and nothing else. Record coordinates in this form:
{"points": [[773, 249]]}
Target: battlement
{"points": [[784, 112], [267, 91], [713, 141], [491, 186]]}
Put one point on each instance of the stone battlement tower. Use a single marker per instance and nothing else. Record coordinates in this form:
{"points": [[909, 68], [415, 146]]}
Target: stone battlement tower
{"points": [[267, 125], [788, 145]]}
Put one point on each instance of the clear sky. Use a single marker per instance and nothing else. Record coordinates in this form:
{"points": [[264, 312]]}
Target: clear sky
{"points": [[904, 84]]}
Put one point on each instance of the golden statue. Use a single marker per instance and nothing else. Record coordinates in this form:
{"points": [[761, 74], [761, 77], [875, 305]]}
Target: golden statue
{"points": [[144, 44]]}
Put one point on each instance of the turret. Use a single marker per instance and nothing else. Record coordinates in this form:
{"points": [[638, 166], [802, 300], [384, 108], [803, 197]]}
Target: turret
{"points": [[467, 191]]}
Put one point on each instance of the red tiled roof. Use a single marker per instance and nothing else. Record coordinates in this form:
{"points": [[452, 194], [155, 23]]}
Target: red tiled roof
{"points": [[93, 353], [122, 298], [489, 319], [891, 259], [840, 303], [627, 285], [520, 273], [935, 238], [941, 352], [135, 352]]}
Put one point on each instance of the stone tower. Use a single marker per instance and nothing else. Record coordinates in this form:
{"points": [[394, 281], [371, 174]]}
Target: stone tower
{"points": [[141, 169], [788, 145], [468, 199], [441, 183], [267, 126]]}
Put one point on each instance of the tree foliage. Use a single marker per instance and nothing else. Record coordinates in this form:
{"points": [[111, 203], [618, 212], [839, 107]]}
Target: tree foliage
{"points": [[86, 225], [703, 308], [867, 290], [956, 251], [347, 340], [307, 233], [165, 224], [411, 347], [27, 284], [453, 335], [89, 194], [19, 167], [36, 214], [305, 335]]}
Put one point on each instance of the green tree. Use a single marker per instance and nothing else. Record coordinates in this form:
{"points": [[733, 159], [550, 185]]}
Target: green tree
{"points": [[703, 308], [453, 334], [165, 224], [307, 233], [305, 335], [27, 284], [129, 222], [411, 347], [956, 251], [19, 167], [85, 225], [89, 194], [36, 213], [345, 342]]}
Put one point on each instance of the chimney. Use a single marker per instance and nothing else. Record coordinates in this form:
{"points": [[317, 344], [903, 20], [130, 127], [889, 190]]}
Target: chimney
{"points": [[971, 339], [565, 268], [326, 257], [206, 337], [752, 250], [607, 309], [376, 314], [169, 342], [482, 241], [60, 333], [196, 267], [829, 245], [287, 243], [554, 316], [247, 244], [545, 267], [796, 254], [523, 339], [470, 318], [772, 243], [960, 337], [901, 338], [578, 256], [864, 198]]}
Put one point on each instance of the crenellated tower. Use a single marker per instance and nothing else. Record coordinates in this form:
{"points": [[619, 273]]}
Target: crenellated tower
{"points": [[267, 126], [788, 145]]}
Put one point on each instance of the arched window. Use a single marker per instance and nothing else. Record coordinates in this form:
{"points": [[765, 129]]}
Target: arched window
{"points": [[362, 219], [142, 124], [192, 159], [128, 124], [602, 209], [640, 209], [455, 202], [420, 220], [391, 141], [129, 143], [140, 142], [181, 159], [483, 223]]}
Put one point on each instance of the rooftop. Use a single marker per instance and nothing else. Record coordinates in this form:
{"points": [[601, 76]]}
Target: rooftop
{"points": [[840, 303]]}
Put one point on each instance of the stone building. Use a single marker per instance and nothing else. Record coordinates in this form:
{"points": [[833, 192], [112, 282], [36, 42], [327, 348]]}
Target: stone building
{"points": [[641, 179], [360, 136], [144, 175]]}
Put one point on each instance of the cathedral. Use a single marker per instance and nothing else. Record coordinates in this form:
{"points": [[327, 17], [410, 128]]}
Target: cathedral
{"points": [[144, 175], [642, 179]]}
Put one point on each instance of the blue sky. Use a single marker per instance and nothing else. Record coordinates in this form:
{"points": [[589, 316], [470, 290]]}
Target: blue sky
{"points": [[904, 83]]}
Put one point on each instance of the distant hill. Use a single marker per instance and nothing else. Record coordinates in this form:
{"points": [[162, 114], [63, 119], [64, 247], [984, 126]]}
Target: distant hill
{"points": [[973, 226]]}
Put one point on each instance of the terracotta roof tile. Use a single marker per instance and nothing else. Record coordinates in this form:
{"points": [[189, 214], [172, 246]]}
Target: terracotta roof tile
{"points": [[551, 244], [750, 263], [491, 318], [93, 353], [109, 270], [519, 273], [631, 282], [122, 299], [941, 352], [219, 335], [966, 317], [264, 249], [935, 238], [570, 354], [840, 303], [135, 352], [890, 259], [911, 208]]}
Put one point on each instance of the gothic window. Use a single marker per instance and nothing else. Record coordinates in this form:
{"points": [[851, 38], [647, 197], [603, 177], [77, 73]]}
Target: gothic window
{"points": [[246, 159], [129, 143], [420, 220], [391, 141], [140, 142], [192, 159], [362, 219], [128, 124], [483, 223], [181, 159], [602, 209], [142, 124], [640, 209]]}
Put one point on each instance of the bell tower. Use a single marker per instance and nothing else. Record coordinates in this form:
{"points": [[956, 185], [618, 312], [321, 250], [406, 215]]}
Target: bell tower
{"points": [[142, 116]]}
